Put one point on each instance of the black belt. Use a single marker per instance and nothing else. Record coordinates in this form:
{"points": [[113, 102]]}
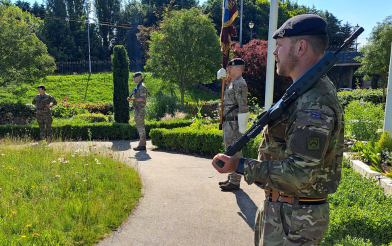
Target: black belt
{"points": [[231, 118]]}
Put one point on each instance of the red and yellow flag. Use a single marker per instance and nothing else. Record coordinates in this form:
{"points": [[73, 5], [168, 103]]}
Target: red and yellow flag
{"points": [[229, 13]]}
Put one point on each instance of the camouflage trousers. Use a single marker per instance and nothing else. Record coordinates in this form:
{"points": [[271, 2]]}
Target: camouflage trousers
{"points": [[140, 113], [285, 224], [44, 120], [230, 135]]}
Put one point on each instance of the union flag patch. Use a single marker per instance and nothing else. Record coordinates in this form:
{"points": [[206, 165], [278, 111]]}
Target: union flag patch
{"points": [[315, 115]]}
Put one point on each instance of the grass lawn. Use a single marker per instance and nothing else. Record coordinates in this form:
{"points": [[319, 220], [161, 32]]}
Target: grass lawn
{"points": [[99, 88], [54, 197]]}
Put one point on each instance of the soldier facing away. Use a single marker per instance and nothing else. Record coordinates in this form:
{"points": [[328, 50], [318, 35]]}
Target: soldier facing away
{"points": [[139, 103], [44, 102], [301, 154], [236, 113]]}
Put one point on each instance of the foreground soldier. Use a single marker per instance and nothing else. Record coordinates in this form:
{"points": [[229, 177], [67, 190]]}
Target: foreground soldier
{"points": [[301, 154], [236, 113], [139, 103], [44, 102]]}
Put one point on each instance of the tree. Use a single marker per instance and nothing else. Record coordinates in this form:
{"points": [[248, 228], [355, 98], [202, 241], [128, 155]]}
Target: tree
{"points": [[185, 50], [120, 81], [23, 57], [107, 12], [254, 54], [377, 53]]}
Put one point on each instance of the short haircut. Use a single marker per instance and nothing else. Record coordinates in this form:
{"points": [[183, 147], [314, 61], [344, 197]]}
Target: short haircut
{"points": [[318, 42]]}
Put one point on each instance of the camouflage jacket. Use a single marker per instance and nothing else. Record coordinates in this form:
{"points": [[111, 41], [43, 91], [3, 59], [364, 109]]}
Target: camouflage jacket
{"points": [[141, 92], [236, 93], [302, 150], [40, 101]]}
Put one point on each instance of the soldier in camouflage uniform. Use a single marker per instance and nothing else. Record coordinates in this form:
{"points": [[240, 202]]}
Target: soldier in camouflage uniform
{"points": [[301, 154], [43, 102], [236, 113], [139, 103]]}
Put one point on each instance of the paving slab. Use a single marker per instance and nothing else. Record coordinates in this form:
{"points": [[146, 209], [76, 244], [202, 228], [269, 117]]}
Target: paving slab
{"points": [[182, 203]]}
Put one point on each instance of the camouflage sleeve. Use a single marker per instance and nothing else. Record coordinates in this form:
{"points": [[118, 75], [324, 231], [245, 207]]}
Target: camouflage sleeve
{"points": [[241, 94], [54, 101], [34, 101], [307, 139]]}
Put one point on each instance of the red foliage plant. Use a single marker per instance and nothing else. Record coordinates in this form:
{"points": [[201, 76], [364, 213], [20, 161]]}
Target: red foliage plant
{"points": [[254, 54]]}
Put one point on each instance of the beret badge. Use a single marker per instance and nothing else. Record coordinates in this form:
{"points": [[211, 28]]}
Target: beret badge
{"points": [[281, 33]]}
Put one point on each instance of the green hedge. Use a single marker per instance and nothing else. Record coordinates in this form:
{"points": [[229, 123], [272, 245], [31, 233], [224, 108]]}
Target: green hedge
{"points": [[16, 113], [205, 140], [99, 131], [367, 95]]}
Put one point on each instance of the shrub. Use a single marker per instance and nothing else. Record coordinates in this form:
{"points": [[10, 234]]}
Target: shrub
{"points": [[363, 120], [120, 82], [367, 95], [92, 117], [16, 113], [160, 104], [385, 143]]}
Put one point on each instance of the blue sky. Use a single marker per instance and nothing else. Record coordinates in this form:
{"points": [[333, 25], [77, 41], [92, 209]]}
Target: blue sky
{"points": [[365, 13]]}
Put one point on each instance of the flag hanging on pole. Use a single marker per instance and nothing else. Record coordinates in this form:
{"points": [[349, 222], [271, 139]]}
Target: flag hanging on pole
{"points": [[228, 15]]}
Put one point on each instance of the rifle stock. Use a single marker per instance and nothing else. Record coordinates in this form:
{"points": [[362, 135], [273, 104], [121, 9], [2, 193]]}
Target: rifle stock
{"points": [[299, 87]]}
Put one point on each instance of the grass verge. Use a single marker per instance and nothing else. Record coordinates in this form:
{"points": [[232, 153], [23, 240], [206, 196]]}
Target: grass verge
{"points": [[54, 197]]}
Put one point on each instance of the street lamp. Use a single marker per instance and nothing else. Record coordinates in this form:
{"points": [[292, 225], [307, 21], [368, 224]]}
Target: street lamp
{"points": [[251, 25], [356, 40]]}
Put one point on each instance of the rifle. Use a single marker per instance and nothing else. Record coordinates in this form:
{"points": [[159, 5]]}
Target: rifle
{"points": [[299, 87]]}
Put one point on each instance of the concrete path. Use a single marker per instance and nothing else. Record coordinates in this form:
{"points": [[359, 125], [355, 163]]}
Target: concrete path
{"points": [[182, 203]]}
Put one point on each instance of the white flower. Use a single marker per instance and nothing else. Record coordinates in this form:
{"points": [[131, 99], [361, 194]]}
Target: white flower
{"points": [[86, 164], [57, 176], [85, 180], [380, 130]]}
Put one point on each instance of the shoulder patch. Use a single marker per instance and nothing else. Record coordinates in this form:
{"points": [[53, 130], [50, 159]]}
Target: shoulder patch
{"points": [[313, 143]]}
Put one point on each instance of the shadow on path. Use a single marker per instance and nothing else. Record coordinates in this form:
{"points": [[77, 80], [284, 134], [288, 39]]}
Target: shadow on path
{"points": [[142, 155], [247, 206], [120, 145]]}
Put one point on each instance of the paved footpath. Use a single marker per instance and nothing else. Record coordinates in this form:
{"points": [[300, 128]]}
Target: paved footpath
{"points": [[182, 202]]}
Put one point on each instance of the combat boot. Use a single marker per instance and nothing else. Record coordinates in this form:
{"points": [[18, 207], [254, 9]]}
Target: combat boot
{"points": [[230, 186], [225, 182], [138, 148]]}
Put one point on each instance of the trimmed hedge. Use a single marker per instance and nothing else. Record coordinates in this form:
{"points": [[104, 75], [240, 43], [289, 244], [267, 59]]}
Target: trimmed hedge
{"points": [[99, 131], [16, 113], [205, 140], [367, 95]]}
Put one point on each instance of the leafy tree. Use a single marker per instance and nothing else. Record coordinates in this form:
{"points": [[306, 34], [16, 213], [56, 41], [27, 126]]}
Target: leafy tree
{"points": [[377, 53], [120, 81], [254, 54], [185, 50], [23, 57], [107, 12]]}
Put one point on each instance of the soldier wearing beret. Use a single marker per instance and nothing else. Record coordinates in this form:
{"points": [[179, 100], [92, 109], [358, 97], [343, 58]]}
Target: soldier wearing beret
{"points": [[236, 113], [139, 103], [44, 102], [300, 156]]}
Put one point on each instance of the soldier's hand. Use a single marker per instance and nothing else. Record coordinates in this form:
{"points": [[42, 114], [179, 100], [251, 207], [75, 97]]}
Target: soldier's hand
{"points": [[129, 99], [231, 163], [221, 73]]}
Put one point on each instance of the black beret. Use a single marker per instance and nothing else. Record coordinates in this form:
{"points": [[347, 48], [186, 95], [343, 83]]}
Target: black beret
{"points": [[41, 86], [137, 75], [236, 62], [306, 24]]}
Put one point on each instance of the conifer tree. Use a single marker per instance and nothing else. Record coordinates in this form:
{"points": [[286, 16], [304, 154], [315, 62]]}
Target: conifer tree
{"points": [[120, 63]]}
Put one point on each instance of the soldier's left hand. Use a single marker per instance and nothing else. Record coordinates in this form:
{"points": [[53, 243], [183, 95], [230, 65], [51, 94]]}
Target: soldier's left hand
{"points": [[231, 163]]}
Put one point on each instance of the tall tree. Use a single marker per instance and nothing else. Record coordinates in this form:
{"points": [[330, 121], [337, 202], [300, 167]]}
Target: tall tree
{"points": [[120, 81], [107, 12], [185, 50], [377, 53], [23, 57]]}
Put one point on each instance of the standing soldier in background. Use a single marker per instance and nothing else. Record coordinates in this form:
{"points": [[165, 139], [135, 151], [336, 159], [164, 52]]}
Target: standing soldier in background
{"points": [[300, 157], [139, 103], [44, 102], [236, 113]]}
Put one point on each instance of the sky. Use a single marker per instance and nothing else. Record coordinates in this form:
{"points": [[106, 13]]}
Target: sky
{"points": [[365, 13]]}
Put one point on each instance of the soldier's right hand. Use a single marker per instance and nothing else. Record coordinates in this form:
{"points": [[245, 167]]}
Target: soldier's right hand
{"points": [[221, 73]]}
